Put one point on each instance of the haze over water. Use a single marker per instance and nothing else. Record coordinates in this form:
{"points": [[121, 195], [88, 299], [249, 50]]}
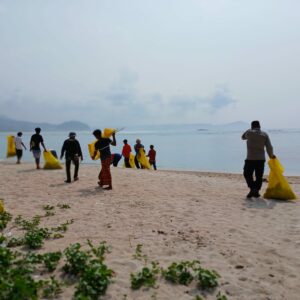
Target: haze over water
{"points": [[190, 149]]}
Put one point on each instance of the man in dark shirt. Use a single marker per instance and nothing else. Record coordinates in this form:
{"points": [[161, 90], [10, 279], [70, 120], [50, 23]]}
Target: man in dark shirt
{"points": [[103, 146], [73, 152], [137, 148], [257, 142], [35, 142]]}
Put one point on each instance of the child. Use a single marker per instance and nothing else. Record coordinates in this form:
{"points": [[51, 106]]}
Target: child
{"points": [[19, 144], [126, 153], [152, 157]]}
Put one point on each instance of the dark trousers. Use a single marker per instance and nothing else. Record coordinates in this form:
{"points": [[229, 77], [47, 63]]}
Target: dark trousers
{"points": [[137, 164], [153, 163], [19, 153], [68, 168], [126, 161], [254, 167]]}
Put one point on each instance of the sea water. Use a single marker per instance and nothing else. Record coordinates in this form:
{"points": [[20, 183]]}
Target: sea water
{"points": [[197, 150]]}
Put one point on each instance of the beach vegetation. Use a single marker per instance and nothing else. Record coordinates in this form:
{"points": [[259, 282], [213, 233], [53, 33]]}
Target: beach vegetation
{"points": [[63, 206], [207, 278], [182, 272], [5, 217], [147, 277]]}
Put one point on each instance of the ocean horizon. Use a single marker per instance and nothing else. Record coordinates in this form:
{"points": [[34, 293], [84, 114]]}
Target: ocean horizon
{"points": [[189, 149]]}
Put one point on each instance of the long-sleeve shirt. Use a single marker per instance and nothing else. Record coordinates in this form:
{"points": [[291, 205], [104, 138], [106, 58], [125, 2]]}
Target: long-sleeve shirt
{"points": [[72, 149], [257, 141]]}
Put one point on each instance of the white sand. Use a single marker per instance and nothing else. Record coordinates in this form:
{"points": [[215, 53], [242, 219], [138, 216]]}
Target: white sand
{"points": [[200, 216]]}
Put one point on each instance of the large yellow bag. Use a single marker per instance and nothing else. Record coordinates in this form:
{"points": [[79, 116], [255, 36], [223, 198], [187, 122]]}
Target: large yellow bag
{"points": [[107, 132], [11, 146], [1, 207], [278, 187], [91, 147], [131, 161], [143, 159], [51, 162]]}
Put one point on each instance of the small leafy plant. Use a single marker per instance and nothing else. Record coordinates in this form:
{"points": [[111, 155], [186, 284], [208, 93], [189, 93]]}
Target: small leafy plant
{"points": [[146, 277], [52, 288], [139, 254], [207, 278], [35, 237], [221, 297], [63, 206], [5, 217], [181, 273], [48, 207], [28, 224], [51, 260]]}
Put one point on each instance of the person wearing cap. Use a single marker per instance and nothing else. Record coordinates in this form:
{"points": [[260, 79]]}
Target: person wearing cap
{"points": [[72, 150], [257, 142], [35, 141]]}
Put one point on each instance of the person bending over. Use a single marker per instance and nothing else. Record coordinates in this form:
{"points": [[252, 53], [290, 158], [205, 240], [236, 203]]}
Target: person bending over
{"points": [[103, 146], [257, 142], [72, 150]]}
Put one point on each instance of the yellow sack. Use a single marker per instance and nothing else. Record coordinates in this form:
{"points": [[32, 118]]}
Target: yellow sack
{"points": [[91, 147], [107, 132], [1, 207], [11, 146], [278, 187], [51, 162], [131, 161], [143, 159]]}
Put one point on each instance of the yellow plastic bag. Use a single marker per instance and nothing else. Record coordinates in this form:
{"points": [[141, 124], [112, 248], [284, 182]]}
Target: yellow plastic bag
{"points": [[91, 147], [143, 159], [107, 132], [1, 207], [11, 146], [131, 161], [278, 187], [51, 162]]}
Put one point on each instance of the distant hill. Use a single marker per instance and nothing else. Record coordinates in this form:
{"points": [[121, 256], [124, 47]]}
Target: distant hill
{"points": [[7, 124]]}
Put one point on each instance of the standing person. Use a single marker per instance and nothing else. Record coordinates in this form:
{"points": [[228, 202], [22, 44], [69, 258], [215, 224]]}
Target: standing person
{"points": [[152, 157], [137, 148], [73, 152], [103, 145], [19, 143], [257, 141], [35, 142], [126, 153]]}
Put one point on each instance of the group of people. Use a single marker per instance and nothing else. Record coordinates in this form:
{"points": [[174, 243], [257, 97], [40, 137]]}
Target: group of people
{"points": [[72, 152], [257, 142]]}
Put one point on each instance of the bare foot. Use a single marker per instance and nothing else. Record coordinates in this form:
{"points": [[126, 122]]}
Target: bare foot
{"points": [[108, 188]]}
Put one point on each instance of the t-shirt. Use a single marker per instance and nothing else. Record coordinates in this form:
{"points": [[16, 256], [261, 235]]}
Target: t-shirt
{"points": [[103, 145], [257, 141], [18, 143], [35, 141], [152, 155], [72, 149], [137, 148], [126, 151]]}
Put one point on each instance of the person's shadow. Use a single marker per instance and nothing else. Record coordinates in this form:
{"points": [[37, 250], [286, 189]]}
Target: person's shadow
{"points": [[261, 203]]}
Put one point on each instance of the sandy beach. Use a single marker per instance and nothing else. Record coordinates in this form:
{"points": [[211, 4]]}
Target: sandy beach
{"points": [[253, 244]]}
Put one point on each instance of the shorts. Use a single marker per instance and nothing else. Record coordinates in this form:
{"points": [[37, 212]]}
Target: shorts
{"points": [[19, 153], [36, 154]]}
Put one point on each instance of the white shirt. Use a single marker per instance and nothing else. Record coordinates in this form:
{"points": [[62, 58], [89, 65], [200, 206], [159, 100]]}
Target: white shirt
{"points": [[18, 142]]}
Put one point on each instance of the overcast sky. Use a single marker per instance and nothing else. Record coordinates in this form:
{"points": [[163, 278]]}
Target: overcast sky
{"points": [[118, 63]]}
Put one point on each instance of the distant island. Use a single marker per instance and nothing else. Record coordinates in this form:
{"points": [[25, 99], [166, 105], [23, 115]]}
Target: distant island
{"points": [[7, 124]]}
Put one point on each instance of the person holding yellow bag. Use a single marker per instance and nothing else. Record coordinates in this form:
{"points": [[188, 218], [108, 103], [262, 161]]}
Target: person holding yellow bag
{"points": [[103, 146], [257, 142]]}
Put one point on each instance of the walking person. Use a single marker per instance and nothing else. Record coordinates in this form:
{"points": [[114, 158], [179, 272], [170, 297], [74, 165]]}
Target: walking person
{"points": [[152, 157], [137, 148], [35, 142], [257, 142], [103, 146], [73, 152], [126, 153], [19, 144]]}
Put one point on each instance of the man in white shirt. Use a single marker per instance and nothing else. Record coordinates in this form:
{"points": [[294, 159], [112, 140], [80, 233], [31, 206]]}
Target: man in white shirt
{"points": [[19, 144]]}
